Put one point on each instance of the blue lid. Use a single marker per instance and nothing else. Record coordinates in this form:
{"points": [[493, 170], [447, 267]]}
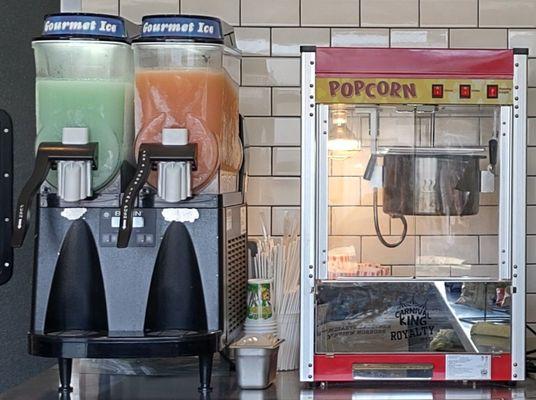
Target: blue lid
{"points": [[182, 27], [84, 25]]}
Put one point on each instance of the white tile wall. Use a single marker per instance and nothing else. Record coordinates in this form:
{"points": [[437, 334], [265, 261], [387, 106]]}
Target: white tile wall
{"points": [[269, 34], [329, 13]]}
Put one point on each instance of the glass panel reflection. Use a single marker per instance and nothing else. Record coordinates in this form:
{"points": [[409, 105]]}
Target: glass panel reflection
{"points": [[399, 317]]}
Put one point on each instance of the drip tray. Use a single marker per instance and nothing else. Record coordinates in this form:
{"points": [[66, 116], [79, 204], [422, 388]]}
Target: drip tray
{"points": [[397, 371]]}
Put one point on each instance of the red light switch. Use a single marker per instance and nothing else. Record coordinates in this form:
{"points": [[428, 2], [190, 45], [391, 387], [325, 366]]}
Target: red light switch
{"points": [[465, 91], [493, 91], [437, 91]]}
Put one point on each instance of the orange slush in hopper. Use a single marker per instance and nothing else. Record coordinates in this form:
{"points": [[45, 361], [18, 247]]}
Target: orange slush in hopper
{"points": [[183, 84]]}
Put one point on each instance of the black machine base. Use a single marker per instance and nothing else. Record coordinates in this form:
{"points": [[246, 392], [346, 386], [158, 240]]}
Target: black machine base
{"points": [[67, 345]]}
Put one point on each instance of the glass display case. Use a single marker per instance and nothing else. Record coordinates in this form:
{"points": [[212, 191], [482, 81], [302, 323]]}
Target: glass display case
{"points": [[413, 179]]}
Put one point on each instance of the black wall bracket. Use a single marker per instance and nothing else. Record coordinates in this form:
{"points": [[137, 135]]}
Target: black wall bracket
{"points": [[6, 196]]}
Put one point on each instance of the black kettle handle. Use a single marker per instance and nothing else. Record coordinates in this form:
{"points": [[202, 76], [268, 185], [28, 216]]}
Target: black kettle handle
{"points": [[493, 146]]}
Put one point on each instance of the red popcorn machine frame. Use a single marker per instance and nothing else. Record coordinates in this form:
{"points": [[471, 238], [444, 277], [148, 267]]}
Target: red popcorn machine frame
{"points": [[413, 214]]}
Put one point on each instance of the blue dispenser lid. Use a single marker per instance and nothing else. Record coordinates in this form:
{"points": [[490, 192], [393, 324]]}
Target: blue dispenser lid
{"points": [[194, 28], [84, 25]]}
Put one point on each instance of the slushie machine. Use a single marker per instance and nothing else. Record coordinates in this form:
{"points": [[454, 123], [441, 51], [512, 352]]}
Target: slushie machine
{"points": [[141, 222], [413, 214]]}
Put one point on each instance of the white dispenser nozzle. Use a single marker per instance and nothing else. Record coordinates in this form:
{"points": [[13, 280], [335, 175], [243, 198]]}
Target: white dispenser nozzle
{"points": [[74, 177], [174, 178]]}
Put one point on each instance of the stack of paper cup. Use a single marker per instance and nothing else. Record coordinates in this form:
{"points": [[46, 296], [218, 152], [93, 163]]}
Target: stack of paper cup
{"points": [[260, 318]]}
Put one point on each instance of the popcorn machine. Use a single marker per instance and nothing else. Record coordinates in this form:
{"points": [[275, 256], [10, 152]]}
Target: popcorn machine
{"points": [[413, 214]]}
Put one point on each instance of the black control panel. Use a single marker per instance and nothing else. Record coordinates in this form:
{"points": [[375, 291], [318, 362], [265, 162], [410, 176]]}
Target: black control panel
{"points": [[143, 231]]}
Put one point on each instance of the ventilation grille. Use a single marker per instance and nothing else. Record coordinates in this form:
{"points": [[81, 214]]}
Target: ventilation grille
{"points": [[236, 283]]}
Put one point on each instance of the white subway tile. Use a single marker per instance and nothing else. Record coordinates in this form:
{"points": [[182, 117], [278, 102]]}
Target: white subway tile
{"points": [[511, 13], [531, 250], [435, 38], [101, 6], [375, 252], [286, 101], [257, 216], [389, 13], [232, 66], [329, 13], [354, 165], [282, 215], [531, 102], [403, 270], [486, 222], [253, 41], [531, 280], [531, 310], [522, 38], [479, 38], [531, 132], [134, 10], [432, 225], [344, 191], [276, 191], [272, 131], [259, 160], [365, 37], [255, 101], [286, 161], [531, 160], [287, 41], [465, 248], [270, 71], [449, 13], [271, 13], [489, 249], [531, 191], [227, 10], [483, 271], [531, 220], [356, 221]]}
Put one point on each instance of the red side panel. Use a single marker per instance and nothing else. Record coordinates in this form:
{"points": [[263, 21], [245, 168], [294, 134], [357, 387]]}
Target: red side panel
{"points": [[370, 62], [339, 367]]}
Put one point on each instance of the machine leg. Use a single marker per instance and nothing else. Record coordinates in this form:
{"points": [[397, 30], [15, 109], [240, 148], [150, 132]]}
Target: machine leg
{"points": [[66, 367], [205, 371]]}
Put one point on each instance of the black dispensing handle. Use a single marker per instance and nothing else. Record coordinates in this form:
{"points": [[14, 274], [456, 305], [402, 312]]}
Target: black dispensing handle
{"points": [[150, 154], [6, 196], [493, 145], [48, 155]]}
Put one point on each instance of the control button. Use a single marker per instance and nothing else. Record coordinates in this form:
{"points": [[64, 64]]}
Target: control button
{"points": [[114, 238], [115, 222], [465, 91], [140, 238], [437, 91], [106, 238], [149, 240], [138, 222], [493, 91]]}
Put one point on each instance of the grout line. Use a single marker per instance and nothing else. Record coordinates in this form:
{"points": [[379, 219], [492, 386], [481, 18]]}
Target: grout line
{"points": [[419, 14], [478, 14]]}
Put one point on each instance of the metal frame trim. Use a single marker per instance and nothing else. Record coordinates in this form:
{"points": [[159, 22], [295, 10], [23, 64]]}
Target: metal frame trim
{"points": [[308, 218], [505, 195], [322, 205], [519, 168]]}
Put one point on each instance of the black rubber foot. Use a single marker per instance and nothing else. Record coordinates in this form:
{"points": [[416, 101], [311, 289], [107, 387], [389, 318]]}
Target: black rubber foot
{"points": [[66, 366], [205, 372]]}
